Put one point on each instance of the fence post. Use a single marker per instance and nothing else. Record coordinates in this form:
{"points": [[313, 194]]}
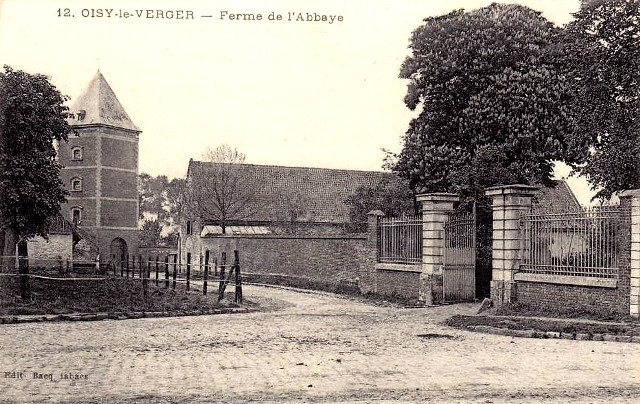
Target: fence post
{"points": [[188, 270], [509, 202], [238, 295], [223, 263], [435, 212], [206, 272], [157, 269], [140, 266], [145, 279], [166, 271], [175, 270]]}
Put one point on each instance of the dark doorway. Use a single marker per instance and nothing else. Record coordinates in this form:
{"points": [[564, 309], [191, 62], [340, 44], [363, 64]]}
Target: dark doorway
{"points": [[118, 252]]}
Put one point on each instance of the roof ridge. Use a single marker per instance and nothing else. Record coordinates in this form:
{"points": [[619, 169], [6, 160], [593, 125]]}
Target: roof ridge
{"points": [[293, 167]]}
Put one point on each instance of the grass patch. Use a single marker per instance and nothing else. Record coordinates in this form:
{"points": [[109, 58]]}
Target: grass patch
{"points": [[527, 310], [101, 296], [545, 325]]}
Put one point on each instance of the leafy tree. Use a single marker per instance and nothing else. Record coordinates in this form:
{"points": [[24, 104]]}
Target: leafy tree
{"points": [[160, 202], [220, 190], [601, 56], [149, 234], [295, 210], [32, 117], [390, 195], [489, 98]]}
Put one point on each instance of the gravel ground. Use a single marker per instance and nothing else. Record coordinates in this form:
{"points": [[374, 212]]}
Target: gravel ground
{"points": [[312, 348]]}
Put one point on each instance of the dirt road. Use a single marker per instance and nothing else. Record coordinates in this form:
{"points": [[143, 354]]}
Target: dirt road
{"points": [[306, 347]]}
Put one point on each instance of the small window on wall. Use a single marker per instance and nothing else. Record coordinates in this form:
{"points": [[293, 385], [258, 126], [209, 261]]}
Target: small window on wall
{"points": [[76, 215], [189, 227], [76, 153], [76, 184]]}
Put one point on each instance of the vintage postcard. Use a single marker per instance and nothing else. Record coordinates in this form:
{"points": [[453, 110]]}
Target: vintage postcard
{"points": [[318, 201]]}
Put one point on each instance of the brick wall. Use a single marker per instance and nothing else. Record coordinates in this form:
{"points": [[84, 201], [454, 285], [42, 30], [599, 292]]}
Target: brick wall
{"points": [[119, 153], [119, 213], [88, 208], [119, 184], [88, 177], [402, 284], [327, 259], [46, 253], [87, 142]]}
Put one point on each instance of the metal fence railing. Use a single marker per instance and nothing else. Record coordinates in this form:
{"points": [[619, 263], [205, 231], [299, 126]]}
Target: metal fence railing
{"points": [[585, 243], [460, 240], [400, 240]]}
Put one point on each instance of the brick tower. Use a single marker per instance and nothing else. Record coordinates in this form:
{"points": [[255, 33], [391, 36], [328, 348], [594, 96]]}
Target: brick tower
{"points": [[100, 171]]}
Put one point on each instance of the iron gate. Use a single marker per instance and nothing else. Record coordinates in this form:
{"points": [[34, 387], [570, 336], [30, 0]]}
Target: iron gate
{"points": [[459, 271]]}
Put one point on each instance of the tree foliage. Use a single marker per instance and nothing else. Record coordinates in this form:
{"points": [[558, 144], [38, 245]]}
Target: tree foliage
{"points": [[392, 196], [32, 117], [489, 98], [161, 203], [222, 193], [601, 56], [150, 234]]}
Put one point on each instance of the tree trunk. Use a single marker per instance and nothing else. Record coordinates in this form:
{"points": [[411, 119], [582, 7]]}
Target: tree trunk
{"points": [[23, 270]]}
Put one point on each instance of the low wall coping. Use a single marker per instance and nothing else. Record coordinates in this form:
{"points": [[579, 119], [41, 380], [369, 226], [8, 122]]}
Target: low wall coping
{"points": [[566, 280], [384, 266]]}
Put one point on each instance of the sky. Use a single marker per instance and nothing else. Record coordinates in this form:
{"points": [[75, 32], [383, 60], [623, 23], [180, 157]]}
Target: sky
{"points": [[293, 93]]}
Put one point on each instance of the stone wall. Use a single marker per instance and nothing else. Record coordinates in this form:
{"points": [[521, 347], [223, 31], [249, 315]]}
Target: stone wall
{"points": [[329, 259], [48, 253]]}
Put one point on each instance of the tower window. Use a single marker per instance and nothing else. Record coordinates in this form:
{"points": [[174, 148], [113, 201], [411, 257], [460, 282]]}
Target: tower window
{"points": [[189, 227], [76, 215], [76, 184], [76, 153]]}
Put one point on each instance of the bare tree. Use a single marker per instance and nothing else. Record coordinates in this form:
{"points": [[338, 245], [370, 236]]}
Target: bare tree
{"points": [[222, 190]]}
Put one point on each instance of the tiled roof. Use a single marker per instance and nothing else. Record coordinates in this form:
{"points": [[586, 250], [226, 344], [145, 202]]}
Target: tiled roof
{"points": [[60, 225], [557, 199], [321, 191], [98, 105]]}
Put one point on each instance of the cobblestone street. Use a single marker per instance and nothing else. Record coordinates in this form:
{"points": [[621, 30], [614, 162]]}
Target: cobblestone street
{"points": [[308, 347]]}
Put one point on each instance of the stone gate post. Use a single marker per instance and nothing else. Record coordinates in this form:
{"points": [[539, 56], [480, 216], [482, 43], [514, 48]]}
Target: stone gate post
{"points": [[634, 293], [509, 201], [435, 211]]}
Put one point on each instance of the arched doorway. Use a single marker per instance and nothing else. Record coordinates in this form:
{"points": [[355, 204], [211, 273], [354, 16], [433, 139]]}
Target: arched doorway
{"points": [[118, 252]]}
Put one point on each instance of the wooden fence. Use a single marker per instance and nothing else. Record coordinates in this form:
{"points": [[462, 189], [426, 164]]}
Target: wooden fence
{"points": [[163, 271]]}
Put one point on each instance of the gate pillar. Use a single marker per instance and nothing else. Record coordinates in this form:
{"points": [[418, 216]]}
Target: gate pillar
{"points": [[509, 201], [634, 204], [435, 211]]}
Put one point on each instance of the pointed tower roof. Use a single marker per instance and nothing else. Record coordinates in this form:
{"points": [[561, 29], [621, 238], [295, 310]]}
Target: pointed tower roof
{"points": [[98, 105]]}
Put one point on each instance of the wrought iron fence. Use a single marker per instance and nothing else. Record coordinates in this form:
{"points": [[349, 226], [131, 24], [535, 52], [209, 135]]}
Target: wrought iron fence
{"points": [[460, 240], [585, 243], [400, 240]]}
